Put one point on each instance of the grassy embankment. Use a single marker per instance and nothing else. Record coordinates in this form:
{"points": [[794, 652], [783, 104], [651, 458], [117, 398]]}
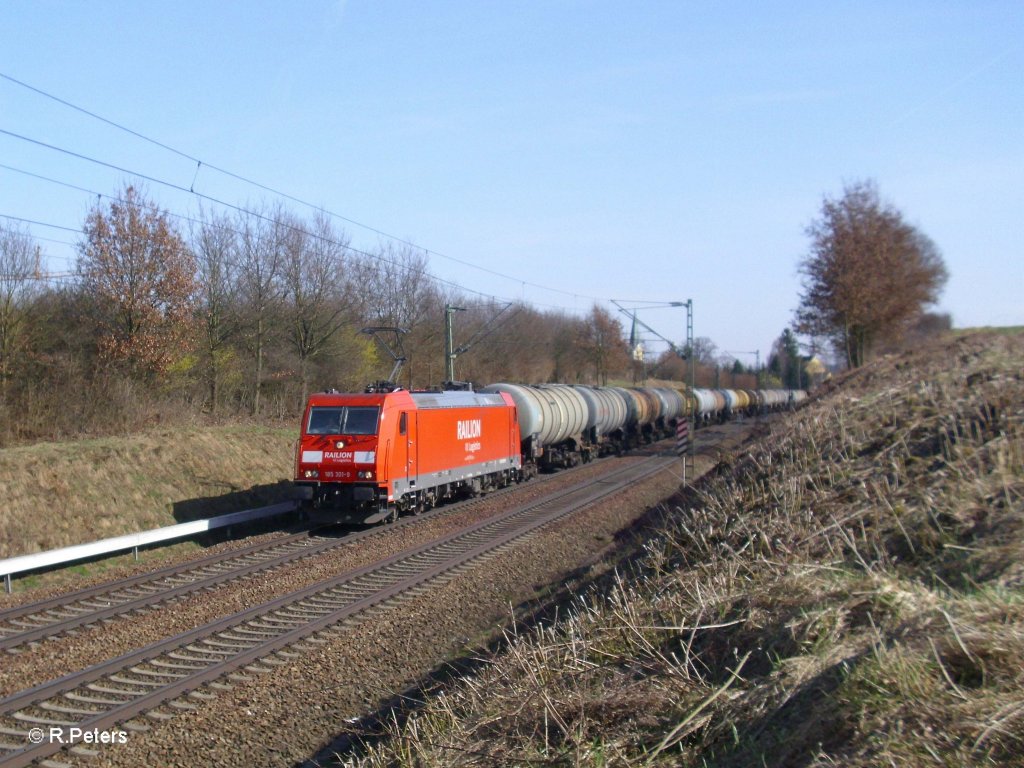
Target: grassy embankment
{"points": [[58, 494], [848, 591]]}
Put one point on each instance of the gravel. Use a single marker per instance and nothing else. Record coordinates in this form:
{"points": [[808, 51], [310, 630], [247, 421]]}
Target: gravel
{"points": [[293, 709], [43, 661]]}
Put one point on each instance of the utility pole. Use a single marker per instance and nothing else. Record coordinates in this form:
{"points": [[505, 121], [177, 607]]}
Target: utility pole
{"points": [[449, 347], [693, 411], [689, 342], [451, 351]]}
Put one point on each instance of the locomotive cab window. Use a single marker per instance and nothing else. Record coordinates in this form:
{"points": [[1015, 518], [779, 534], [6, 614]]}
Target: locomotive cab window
{"points": [[343, 420], [402, 423]]}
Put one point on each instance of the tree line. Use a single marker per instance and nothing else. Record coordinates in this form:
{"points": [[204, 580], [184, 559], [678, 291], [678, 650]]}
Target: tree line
{"points": [[243, 315]]}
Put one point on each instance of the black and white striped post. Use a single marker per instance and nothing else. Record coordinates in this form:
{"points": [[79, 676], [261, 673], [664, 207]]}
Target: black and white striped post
{"points": [[683, 443]]}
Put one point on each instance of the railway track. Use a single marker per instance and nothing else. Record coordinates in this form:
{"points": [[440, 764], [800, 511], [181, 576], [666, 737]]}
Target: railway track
{"points": [[39, 621], [172, 674]]}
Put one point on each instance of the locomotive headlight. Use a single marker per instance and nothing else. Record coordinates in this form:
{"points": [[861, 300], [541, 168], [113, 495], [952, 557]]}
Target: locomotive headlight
{"points": [[311, 473], [340, 444], [365, 475]]}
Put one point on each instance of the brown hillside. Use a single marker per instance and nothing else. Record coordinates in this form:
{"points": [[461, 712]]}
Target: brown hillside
{"points": [[846, 591], [59, 494]]}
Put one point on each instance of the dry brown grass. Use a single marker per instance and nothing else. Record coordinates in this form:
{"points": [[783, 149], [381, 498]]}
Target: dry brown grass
{"points": [[848, 591], [58, 494]]}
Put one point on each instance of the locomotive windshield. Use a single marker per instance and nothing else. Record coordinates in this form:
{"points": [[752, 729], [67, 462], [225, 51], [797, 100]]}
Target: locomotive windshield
{"points": [[343, 420]]}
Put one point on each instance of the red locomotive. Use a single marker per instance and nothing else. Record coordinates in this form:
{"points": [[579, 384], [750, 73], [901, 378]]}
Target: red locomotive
{"points": [[369, 457]]}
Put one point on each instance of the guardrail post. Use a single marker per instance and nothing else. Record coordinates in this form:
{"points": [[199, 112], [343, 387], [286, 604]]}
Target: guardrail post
{"points": [[135, 551], [7, 583]]}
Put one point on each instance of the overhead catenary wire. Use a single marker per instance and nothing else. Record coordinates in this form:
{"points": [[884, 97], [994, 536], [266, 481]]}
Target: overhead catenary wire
{"points": [[238, 208], [232, 206], [202, 163], [39, 223], [46, 276]]}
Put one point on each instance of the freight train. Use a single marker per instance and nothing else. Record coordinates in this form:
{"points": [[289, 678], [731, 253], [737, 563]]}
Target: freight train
{"points": [[369, 457]]}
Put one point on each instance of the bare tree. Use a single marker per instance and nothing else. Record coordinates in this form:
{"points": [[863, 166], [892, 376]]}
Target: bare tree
{"points": [[868, 273], [140, 276], [705, 351], [318, 307], [527, 353], [396, 289], [19, 268], [603, 340], [671, 365], [509, 343], [260, 267], [215, 245], [568, 357]]}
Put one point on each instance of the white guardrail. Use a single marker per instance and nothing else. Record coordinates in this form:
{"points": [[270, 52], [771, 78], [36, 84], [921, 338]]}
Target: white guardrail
{"points": [[133, 541]]}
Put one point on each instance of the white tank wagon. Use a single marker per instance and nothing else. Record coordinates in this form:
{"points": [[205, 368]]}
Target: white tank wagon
{"points": [[632, 404], [708, 406], [644, 410], [646, 407], [608, 413], [673, 402], [673, 409], [639, 414], [563, 425], [732, 403], [652, 428], [552, 421]]}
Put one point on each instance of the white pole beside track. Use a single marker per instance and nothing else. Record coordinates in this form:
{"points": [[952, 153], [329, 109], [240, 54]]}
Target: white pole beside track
{"points": [[133, 541], [683, 443]]}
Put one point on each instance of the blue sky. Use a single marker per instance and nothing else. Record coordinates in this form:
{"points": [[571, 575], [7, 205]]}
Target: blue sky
{"points": [[649, 151]]}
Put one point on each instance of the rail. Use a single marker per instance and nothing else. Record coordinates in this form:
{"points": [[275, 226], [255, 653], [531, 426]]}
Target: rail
{"points": [[132, 541], [114, 692]]}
